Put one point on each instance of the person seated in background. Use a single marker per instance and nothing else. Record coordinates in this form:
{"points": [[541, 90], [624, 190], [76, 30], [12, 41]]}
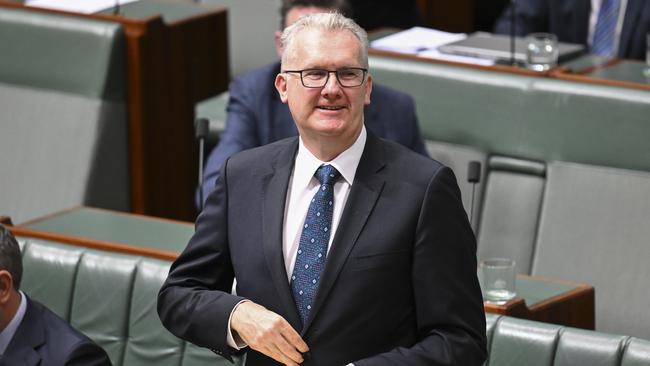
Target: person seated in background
{"points": [[609, 28], [256, 116], [31, 334], [376, 14]]}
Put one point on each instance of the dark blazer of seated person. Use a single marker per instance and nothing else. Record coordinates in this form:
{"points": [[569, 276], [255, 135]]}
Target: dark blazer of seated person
{"points": [[256, 116], [569, 20], [31, 334], [44, 339]]}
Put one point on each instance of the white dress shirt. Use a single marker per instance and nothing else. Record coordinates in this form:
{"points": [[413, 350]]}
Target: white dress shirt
{"points": [[7, 334], [303, 185], [593, 19]]}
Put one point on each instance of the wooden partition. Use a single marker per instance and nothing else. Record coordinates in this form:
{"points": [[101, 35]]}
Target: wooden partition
{"points": [[177, 55]]}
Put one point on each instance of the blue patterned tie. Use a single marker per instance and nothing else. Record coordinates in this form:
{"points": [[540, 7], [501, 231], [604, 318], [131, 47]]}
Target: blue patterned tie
{"points": [[603, 42], [314, 239]]}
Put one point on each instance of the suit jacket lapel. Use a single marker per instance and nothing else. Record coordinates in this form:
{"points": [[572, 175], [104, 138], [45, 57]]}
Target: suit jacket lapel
{"points": [[364, 193], [275, 185], [29, 336], [581, 11], [632, 14]]}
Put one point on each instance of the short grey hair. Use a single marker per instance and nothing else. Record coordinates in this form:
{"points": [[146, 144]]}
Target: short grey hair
{"points": [[333, 21]]}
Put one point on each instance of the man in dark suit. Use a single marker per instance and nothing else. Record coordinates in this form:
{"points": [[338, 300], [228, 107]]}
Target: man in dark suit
{"points": [[570, 22], [256, 116], [347, 248], [30, 334]]}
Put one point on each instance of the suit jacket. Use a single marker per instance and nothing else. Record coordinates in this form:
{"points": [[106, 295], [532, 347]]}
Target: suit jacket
{"points": [[399, 285], [257, 116], [569, 20], [44, 339]]}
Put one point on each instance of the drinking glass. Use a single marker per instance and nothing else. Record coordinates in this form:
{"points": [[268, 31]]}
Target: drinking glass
{"points": [[497, 280], [541, 51]]}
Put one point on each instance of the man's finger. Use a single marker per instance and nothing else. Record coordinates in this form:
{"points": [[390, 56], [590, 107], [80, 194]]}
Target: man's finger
{"points": [[294, 339]]}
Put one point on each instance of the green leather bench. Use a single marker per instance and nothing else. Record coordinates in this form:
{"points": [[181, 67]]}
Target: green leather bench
{"points": [[63, 124], [111, 297], [516, 342]]}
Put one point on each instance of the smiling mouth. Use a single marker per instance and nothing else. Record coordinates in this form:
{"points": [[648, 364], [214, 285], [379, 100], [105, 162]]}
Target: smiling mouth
{"points": [[329, 107]]}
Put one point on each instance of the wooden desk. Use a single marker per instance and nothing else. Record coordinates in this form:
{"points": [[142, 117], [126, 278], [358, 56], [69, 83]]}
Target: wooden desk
{"points": [[551, 301], [542, 299], [177, 55], [112, 231], [593, 70]]}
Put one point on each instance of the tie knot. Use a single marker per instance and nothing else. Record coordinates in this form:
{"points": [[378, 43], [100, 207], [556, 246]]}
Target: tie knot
{"points": [[327, 174]]}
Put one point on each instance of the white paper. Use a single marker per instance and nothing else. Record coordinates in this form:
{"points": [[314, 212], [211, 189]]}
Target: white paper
{"points": [[464, 59], [416, 40], [424, 42], [77, 6]]}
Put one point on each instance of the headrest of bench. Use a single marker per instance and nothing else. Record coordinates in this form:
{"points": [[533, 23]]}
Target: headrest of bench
{"points": [[64, 53]]}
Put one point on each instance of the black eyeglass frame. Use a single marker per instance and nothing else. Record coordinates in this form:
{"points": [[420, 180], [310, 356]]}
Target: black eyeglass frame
{"points": [[336, 72]]}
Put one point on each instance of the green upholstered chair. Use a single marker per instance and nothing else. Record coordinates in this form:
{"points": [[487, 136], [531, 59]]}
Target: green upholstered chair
{"points": [[63, 125], [515, 342], [111, 298]]}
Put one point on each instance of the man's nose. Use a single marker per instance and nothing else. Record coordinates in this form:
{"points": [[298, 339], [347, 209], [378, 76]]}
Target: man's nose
{"points": [[332, 86]]}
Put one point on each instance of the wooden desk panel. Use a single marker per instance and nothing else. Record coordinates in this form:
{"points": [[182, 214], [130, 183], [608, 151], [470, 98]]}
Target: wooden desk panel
{"points": [[171, 65], [551, 301]]}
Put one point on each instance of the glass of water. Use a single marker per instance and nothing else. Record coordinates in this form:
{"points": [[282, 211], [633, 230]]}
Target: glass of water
{"points": [[541, 51], [497, 280]]}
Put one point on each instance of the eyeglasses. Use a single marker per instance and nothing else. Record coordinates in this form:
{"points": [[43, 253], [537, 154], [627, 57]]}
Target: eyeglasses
{"points": [[348, 77]]}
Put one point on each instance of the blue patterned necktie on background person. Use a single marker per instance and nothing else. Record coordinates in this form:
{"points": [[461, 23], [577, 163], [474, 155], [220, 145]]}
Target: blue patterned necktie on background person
{"points": [[312, 249], [603, 42]]}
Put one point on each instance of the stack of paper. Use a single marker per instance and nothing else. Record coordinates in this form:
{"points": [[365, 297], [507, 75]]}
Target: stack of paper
{"points": [[77, 6], [424, 42]]}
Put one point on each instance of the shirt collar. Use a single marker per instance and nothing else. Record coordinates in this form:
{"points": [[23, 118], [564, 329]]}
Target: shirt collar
{"points": [[8, 333], [346, 162]]}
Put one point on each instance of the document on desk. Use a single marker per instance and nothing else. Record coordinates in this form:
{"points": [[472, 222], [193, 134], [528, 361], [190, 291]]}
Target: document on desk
{"points": [[424, 42], [78, 6]]}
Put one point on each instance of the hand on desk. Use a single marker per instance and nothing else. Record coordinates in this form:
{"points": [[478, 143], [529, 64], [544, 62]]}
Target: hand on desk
{"points": [[268, 333]]}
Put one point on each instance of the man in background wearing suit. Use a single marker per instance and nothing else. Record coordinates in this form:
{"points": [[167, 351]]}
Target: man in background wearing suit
{"points": [[347, 248], [607, 27], [30, 334], [256, 116]]}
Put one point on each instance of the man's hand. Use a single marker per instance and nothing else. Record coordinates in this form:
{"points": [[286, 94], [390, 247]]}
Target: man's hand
{"points": [[268, 333]]}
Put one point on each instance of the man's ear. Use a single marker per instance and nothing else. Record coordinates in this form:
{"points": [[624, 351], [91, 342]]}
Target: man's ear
{"points": [[278, 43], [6, 286], [281, 86], [368, 89]]}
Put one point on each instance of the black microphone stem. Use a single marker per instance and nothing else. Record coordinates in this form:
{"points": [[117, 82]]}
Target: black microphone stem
{"points": [[513, 17]]}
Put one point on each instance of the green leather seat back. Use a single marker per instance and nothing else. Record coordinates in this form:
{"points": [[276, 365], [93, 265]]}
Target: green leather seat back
{"points": [[457, 157], [111, 298], [521, 342], [594, 228], [585, 348], [510, 214], [637, 353], [516, 342], [150, 343], [49, 274], [63, 120], [102, 298]]}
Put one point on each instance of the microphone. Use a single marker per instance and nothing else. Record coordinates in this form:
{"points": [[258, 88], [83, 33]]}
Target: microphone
{"points": [[513, 19], [473, 176], [201, 132]]}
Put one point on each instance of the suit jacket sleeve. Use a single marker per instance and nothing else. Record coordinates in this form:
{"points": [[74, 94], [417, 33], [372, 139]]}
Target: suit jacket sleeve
{"points": [[87, 354], [195, 301], [448, 303], [240, 133]]}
